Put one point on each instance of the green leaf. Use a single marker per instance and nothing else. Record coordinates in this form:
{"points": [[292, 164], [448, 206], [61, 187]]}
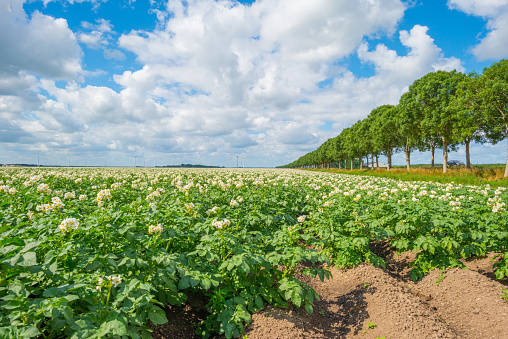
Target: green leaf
{"points": [[297, 299], [14, 241], [228, 331], [71, 297], [259, 301], [81, 324], [157, 316], [206, 283], [184, 283], [321, 275], [114, 327], [29, 246], [53, 267], [176, 298], [29, 332], [133, 332], [29, 259]]}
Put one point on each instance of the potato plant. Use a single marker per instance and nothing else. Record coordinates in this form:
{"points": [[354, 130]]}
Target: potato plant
{"points": [[99, 253]]}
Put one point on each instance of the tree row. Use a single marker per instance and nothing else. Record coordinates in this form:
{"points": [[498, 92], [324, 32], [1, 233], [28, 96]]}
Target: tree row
{"points": [[441, 110]]}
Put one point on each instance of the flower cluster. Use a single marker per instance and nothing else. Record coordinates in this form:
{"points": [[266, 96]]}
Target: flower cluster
{"points": [[44, 208], [56, 203], [116, 185], [221, 224], [233, 203], [32, 180], [212, 210], [301, 219], [102, 196], [153, 195], [31, 215], [496, 204], [108, 280], [455, 205], [155, 229], [68, 225], [44, 188], [69, 195], [189, 208]]}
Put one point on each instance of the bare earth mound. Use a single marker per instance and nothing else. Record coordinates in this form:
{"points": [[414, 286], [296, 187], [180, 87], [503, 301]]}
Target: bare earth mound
{"points": [[369, 302]]}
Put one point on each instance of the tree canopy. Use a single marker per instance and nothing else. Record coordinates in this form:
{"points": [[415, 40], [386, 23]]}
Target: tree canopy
{"points": [[440, 110]]}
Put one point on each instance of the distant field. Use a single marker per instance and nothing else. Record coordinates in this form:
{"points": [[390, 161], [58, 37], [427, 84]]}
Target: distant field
{"points": [[491, 174]]}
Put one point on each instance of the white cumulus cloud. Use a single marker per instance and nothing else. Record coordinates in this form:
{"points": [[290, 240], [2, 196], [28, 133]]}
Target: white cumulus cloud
{"points": [[495, 44], [39, 44]]}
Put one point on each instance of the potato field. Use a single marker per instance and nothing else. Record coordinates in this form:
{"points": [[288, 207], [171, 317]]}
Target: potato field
{"points": [[99, 253]]}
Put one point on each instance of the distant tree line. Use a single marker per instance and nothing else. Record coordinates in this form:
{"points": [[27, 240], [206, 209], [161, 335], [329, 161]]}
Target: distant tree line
{"points": [[441, 110]]}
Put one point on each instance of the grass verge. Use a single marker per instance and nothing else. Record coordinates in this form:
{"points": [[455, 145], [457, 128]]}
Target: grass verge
{"points": [[478, 175]]}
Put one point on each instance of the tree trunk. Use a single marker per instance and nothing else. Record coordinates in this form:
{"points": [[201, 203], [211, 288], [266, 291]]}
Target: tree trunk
{"points": [[360, 160], [407, 151], [351, 164], [433, 152], [372, 159], [339, 164], [367, 161], [468, 156], [506, 168], [445, 154], [377, 161], [389, 156]]}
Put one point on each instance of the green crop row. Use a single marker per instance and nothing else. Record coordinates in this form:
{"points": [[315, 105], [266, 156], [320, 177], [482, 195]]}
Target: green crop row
{"points": [[94, 253]]}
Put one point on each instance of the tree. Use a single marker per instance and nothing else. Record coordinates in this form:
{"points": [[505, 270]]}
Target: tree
{"points": [[349, 142], [431, 99], [368, 135], [492, 100], [471, 122], [408, 122], [384, 131]]}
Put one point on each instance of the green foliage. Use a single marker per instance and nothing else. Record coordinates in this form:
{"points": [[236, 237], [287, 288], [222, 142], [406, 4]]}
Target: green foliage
{"points": [[100, 267], [505, 294], [440, 110]]}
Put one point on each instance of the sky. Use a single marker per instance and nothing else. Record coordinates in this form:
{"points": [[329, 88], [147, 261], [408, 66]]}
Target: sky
{"points": [[222, 82]]}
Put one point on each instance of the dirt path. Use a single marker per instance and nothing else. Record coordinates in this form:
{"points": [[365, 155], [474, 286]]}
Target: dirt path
{"points": [[457, 304]]}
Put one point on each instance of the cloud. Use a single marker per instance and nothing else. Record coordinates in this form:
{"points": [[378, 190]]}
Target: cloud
{"points": [[219, 68], [114, 54], [423, 57], [241, 139], [90, 104], [39, 44], [219, 79], [95, 3], [99, 36], [269, 52], [495, 44]]}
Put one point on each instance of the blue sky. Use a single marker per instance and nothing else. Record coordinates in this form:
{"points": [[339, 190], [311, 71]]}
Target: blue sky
{"points": [[203, 81]]}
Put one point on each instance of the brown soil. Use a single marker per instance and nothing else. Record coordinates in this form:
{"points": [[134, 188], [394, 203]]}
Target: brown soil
{"points": [[459, 303]]}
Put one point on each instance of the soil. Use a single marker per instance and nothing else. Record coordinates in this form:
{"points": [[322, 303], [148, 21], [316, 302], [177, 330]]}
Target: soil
{"points": [[457, 303]]}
